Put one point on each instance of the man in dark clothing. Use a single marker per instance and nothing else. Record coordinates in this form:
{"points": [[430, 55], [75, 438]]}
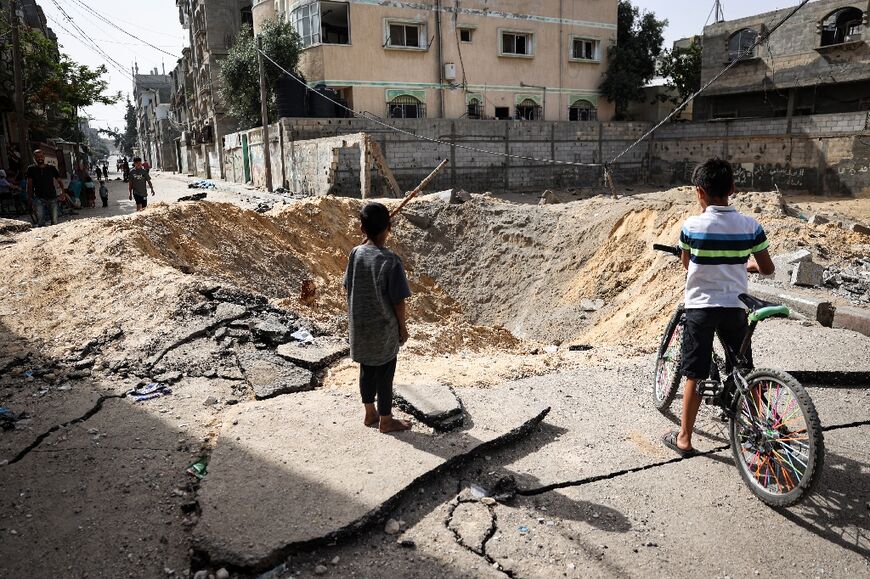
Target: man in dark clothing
{"points": [[140, 180], [41, 181]]}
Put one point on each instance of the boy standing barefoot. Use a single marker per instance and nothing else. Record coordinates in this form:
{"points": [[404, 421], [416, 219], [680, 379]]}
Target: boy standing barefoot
{"points": [[376, 290]]}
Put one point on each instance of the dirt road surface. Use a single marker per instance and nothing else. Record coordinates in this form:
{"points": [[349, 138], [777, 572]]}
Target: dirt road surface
{"points": [[198, 297]]}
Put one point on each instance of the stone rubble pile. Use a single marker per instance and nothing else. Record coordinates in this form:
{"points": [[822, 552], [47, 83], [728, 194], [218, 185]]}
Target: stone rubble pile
{"points": [[851, 282]]}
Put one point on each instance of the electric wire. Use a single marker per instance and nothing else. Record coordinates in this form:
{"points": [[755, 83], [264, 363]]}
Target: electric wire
{"points": [[82, 37], [112, 24], [746, 51]]}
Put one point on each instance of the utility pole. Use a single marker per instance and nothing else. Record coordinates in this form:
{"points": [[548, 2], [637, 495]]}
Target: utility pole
{"points": [[18, 72], [264, 111], [720, 14]]}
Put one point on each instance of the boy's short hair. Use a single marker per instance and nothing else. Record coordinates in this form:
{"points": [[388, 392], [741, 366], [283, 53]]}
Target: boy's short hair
{"points": [[137, 159], [375, 218], [715, 177]]}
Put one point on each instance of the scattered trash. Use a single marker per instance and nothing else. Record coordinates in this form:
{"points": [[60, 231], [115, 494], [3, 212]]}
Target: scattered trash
{"points": [[202, 184], [579, 347], [199, 468], [194, 197], [551, 349], [149, 391], [523, 529], [477, 491], [9, 418], [210, 401], [28, 374], [303, 335]]}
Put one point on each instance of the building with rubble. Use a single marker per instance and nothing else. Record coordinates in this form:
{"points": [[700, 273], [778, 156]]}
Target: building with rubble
{"points": [[477, 59], [818, 62], [213, 26], [156, 131]]}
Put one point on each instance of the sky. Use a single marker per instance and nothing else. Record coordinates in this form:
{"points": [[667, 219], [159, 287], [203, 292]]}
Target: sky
{"points": [[156, 21]]}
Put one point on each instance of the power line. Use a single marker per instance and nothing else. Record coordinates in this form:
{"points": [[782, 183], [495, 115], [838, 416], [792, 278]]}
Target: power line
{"points": [[112, 24], [742, 54], [422, 137], [87, 43], [86, 38]]}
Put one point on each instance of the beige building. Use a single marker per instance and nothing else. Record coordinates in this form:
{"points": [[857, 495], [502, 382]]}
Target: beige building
{"points": [[520, 59]]}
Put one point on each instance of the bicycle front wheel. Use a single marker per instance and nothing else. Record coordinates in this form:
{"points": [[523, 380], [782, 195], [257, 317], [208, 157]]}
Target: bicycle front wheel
{"points": [[666, 379], [776, 438]]}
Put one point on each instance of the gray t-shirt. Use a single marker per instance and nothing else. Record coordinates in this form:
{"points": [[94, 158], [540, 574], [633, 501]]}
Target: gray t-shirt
{"points": [[375, 280], [139, 179]]}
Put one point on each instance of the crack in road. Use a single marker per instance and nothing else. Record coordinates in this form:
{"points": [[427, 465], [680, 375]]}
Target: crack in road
{"points": [[622, 472], [490, 533], [84, 417]]}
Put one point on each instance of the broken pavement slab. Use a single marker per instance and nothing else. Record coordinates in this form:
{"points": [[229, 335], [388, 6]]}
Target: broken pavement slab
{"points": [[270, 375], [296, 471], [432, 404], [317, 355]]}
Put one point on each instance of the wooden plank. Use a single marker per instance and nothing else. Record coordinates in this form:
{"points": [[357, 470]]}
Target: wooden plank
{"points": [[383, 168]]}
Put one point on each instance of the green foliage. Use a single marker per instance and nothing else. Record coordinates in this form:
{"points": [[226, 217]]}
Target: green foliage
{"points": [[125, 141], [56, 87], [240, 72], [681, 68], [632, 61]]}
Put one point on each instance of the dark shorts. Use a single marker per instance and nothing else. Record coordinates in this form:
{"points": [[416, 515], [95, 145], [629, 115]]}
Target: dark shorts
{"points": [[701, 326], [143, 201]]}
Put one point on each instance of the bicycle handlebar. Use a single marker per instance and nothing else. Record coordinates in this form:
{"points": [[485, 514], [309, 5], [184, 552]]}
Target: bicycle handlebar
{"points": [[668, 249]]}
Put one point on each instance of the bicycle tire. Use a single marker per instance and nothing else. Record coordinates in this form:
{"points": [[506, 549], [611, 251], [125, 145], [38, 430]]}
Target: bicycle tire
{"points": [[741, 445], [668, 358]]}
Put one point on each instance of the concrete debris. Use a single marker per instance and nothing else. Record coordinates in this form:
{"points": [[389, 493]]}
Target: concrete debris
{"points": [[392, 527], [818, 220], [8, 226], [807, 273], [194, 197], [270, 375], [851, 282], [549, 198], [786, 262], [168, 377], [316, 355], [859, 228], [588, 305], [271, 331], [320, 570], [434, 404]]}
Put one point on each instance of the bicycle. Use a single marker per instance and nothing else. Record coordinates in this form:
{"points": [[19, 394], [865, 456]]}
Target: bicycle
{"points": [[775, 433]]}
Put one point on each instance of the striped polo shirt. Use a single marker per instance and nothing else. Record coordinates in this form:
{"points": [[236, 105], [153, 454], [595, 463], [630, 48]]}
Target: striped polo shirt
{"points": [[719, 242]]}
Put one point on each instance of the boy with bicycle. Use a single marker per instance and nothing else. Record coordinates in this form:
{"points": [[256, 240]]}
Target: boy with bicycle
{"points": [[719, 247]]}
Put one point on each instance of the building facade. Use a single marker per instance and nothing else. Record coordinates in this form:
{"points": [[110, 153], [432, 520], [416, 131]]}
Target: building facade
{"points": [[818, 62], [480, 59], [156, 131], [261, 12], [213, 26]]}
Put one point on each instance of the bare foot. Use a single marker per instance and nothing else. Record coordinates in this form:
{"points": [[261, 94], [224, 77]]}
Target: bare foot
{"points": [[372, 421], [372, 416], [390, 424]]}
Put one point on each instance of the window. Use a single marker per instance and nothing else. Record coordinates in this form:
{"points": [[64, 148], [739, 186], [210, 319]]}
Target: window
{"points": [[473, 109], [465, 34], [584, 49], [516, 44], [582, 110], [306, 21], [502, 113], [844, 25], [405, 35], [528, 110], [322, 22], [406, 107], [740, 45]]}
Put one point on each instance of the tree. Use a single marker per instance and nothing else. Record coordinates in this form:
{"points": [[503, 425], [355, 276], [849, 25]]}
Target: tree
{"points": [[125, 141], [632, 61], [240, 72], [56, 87], [681, 68]]}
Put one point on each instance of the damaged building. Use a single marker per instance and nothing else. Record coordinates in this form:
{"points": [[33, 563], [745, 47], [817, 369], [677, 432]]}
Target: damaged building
{"points": [[818, 62], [156, 132], [476, 59]]}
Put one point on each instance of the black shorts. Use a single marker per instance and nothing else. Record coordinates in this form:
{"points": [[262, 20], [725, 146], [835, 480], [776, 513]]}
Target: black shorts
{"points": [[701, 325], [143, 201]]}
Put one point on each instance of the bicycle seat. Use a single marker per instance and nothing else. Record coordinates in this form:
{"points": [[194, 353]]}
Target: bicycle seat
{"points": [[761, 309]]}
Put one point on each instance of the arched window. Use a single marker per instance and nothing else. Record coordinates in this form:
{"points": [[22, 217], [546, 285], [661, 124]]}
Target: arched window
{"points": [[474, 109], [528, 110], [740, 43], [841, 26], [582, 110], [406, 107]]}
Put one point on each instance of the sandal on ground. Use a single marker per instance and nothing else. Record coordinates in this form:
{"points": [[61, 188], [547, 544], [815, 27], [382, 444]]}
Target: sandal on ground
{"points": [[670, 440]]}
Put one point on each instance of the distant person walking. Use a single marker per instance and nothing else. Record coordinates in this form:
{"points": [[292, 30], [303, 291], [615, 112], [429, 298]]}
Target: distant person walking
{"points": [[104, 194], [140, 180], [42, 183]]}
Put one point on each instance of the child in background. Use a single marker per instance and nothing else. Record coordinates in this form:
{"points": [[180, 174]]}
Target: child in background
{"points": [[376, 290], [104, 194]]}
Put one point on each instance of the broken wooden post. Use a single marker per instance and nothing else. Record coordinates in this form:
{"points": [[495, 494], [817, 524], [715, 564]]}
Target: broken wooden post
{"points": [[419, 188], [382, 167]]}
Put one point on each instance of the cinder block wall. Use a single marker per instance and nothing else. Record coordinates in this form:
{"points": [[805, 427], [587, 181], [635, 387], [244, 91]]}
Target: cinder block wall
{"points": [[822, 154]]}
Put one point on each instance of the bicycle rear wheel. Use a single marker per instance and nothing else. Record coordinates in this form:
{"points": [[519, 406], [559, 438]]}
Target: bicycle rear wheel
{"points": [[776, 438], [666, 379]]}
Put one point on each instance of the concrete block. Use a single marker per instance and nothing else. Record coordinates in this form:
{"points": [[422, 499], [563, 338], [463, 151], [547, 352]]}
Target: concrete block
{"points": [[858, 228], [785, 264], [818, 220], [807, 273], [852, 318]]}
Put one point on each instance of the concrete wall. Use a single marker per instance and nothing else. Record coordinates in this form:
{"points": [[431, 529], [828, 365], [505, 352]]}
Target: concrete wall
{"points": [[822, 154], [366, 68], [262, 11]]}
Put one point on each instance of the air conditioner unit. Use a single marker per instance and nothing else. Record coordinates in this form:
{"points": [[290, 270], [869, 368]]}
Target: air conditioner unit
{"points": [[449, 71]]}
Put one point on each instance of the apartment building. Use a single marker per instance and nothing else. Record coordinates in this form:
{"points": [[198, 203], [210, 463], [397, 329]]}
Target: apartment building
{"points": [[152, 94], [213, 26], [479, 59], [818, 62]]}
